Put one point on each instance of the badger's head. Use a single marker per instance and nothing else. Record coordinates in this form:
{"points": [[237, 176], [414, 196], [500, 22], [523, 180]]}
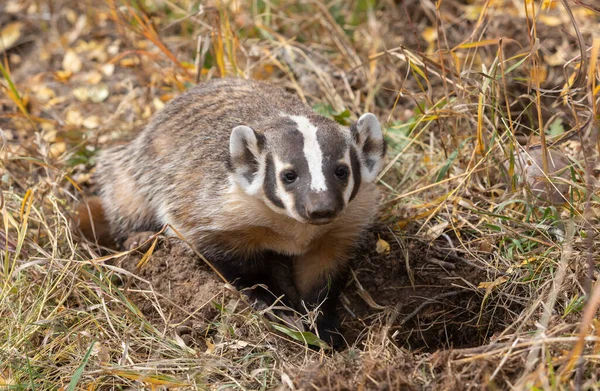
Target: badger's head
{"points": [[307, 167]]}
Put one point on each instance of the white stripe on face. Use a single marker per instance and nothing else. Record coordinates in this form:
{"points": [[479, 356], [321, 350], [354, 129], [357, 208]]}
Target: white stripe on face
{"points": [[312, 152], [350, 184]]}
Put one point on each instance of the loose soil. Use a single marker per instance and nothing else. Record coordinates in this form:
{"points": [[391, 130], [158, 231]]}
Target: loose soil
{"points": [[420, 295]]}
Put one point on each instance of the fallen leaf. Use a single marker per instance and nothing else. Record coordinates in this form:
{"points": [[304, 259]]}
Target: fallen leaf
{"points": [[74, 117], [107, 69], [14, 7], [158, 104], [103, 354], [486, 247], [57, 149], [489, 285], [15, 59], [210, 346], [550, 20], [91, 122], [382, 246], [63, 75], [49, 135], [71, 62], [81, 93], [9, 35], [44, 94], [429, 34], [93, 77], [438, 229], [98, 93]]}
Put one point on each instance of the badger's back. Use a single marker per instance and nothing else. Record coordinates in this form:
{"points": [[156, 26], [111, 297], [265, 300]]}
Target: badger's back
{"points": [[202, 118], [180, 159]]}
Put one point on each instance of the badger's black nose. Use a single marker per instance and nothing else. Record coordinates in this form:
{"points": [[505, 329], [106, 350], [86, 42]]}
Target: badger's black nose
{"points": [[322, 214], [322, 207]]}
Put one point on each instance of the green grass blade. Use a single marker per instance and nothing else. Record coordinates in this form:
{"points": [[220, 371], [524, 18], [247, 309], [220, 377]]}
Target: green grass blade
{"points": [[79, 371]]}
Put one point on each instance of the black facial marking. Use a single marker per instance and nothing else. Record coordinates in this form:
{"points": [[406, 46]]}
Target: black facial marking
{"points": [[355, 162], [370, 146], [249, 160], [270, 184], [260, 141]]}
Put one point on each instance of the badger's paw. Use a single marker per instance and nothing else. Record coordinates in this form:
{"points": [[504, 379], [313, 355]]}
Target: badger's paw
{"points": [[278, 311], [328, 329]]}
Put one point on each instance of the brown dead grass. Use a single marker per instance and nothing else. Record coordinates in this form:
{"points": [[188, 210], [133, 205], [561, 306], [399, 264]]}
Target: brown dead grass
{"points": [[483, 286]]}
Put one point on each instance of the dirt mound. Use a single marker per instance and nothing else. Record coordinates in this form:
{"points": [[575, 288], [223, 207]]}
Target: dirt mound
{"points": [[185, 289], [414, 294]]}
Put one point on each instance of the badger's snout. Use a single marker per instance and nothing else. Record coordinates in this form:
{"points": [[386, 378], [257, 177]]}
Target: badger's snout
{"points": [[322, 207]]}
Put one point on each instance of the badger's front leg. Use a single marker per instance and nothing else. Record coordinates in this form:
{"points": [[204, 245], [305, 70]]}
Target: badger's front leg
{"points": [[268, 269], [319, 276]]}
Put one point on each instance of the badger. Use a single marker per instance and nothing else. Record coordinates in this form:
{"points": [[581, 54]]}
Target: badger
{"points": [[274, 195]]}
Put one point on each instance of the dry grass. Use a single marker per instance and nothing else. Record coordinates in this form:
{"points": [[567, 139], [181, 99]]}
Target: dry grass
{"points": [[464, 89]]}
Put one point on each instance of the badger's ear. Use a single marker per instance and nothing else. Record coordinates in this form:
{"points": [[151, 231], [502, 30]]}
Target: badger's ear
{"points": [[245, 147], [370, 144]]}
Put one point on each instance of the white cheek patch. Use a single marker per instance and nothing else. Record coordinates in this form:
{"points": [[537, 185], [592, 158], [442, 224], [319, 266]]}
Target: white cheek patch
{"points": [[286, 197], [350, 184], [312, 152]]}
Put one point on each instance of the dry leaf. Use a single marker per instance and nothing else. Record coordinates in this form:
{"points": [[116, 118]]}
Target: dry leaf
{"points": [[210, 346], [98, 93], [382, 246], [71, 62], [550, 20], [93, 77], [10, 35], [485, 246], [74, 117], [57, 149], [103, 354], [158, 104], [81, 93], [44, 94], [430, 34], [91, 122], [49, 135], [489, 285], [107, 69], [438, 229], [14, 7], [15, 59], [63, 75]]}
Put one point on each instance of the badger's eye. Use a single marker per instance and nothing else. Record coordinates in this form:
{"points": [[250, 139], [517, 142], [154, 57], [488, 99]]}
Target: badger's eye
{"points": [[341, 172], [289, 176]]}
